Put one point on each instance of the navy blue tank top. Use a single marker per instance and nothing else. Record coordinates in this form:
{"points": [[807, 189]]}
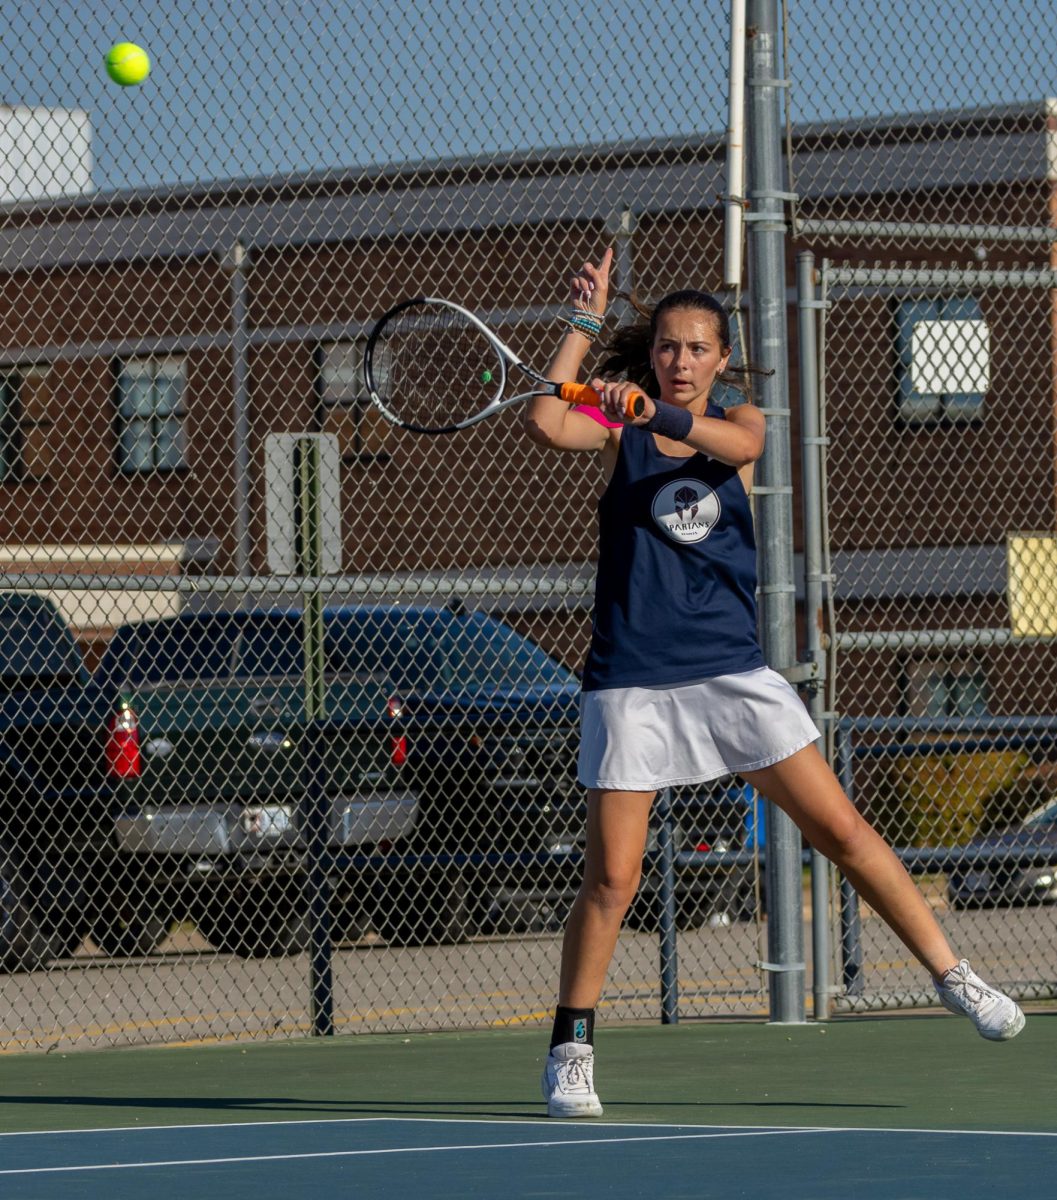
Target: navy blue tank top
{"points": [[675, 594]]}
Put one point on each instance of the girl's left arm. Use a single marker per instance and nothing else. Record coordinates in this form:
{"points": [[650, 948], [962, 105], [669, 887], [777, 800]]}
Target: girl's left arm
{"points": [[738, 440]]}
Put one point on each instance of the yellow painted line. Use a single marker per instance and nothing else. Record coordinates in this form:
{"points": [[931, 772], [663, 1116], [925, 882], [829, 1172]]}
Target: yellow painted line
{"points": [[57, 1036], [265, 1024], [97, 1030], [522, 1018]]}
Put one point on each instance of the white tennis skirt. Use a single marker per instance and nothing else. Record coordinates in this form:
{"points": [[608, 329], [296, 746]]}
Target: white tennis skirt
{"points": [[639, 739]]}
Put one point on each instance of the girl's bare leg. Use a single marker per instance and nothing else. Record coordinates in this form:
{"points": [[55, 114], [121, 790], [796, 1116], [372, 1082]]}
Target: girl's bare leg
{"points": [[805, 787], [617, 824]]}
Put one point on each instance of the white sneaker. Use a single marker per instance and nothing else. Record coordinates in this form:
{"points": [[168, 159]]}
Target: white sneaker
{"points": [[995, 1016], [568, 1081]]}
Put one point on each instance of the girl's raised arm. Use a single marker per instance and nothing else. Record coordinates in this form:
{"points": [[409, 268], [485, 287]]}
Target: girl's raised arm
{"points": [[548, 420]]}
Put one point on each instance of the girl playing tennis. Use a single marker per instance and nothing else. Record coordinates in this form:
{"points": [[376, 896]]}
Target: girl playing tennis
{"points": [[675, 688]]}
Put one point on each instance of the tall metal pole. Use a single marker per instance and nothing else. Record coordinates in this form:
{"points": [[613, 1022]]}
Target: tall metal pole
{"points": [[735, 204], [773, 490]]}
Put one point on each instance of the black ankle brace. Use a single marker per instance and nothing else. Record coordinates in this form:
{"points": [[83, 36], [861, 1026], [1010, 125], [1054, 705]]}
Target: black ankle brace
{"points": [[573, 1025]]}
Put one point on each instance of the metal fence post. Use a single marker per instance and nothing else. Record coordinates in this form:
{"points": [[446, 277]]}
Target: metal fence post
{"points": [[310, 545], [812, 448], [666, 910], [850, 916], [774, 503]]}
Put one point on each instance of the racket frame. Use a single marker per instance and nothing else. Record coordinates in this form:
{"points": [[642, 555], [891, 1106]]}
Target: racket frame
{"points": [[506, 358]]}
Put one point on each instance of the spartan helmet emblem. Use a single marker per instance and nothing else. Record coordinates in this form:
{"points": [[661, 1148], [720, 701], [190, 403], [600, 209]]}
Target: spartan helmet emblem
{"points": [[686, 510], [686, 501]]}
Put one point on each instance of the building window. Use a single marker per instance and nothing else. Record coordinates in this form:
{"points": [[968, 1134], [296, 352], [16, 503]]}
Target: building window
{"points": [[944, 352], [26, 448], [151, 414], [347, 411], [947, 689]]}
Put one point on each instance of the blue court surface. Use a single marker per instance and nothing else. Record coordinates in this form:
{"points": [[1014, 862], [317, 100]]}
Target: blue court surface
{"points": [[401, 1157]]}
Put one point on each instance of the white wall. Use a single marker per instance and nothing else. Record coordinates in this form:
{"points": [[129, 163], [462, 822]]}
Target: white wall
{"points": [[44, 153]]}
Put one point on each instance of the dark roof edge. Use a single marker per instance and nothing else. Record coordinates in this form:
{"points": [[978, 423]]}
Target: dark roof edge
{"points": [[513, 163]]}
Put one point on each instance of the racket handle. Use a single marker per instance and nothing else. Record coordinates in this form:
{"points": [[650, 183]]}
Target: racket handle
{"points": [[580, 393]]}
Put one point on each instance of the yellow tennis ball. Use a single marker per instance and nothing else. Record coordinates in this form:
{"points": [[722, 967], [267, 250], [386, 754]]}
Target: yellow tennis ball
{"points": [[127, 64]]}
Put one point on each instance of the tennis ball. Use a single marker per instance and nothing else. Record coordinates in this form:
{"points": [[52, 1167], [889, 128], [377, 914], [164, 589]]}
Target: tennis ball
{"points": [[486, 376], [127, 64]]}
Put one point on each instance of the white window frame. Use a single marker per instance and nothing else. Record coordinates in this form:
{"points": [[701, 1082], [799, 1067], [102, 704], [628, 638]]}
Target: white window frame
{"points": [[141, 448], [943, 345]]}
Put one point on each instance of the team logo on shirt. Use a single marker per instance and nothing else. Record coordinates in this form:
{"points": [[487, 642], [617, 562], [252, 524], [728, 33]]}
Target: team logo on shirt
{"points": [[686, 510]]}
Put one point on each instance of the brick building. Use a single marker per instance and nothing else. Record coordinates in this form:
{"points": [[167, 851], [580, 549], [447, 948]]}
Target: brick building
{"points": [[150, 342]]}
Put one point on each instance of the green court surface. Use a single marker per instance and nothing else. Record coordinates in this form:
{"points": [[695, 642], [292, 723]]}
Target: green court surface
{"points": [[880, 1107], [877, 1071]]}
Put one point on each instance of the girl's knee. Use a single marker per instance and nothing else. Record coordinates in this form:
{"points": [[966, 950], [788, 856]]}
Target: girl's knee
{"points": [[847, 839], [612, 891]]}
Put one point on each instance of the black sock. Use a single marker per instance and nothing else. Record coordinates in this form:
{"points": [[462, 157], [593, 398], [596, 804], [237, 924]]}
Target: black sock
{"points": [[573, 1025]]}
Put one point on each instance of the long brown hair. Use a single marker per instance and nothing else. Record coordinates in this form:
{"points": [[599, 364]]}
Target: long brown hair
{"points": [[628, 351]]}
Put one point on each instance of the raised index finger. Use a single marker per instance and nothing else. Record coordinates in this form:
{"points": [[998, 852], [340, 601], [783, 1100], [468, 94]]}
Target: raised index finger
{"points": [[601, 272]]}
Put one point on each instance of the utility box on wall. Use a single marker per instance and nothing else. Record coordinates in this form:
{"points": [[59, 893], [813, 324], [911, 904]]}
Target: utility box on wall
{"points": [[284, 500]]}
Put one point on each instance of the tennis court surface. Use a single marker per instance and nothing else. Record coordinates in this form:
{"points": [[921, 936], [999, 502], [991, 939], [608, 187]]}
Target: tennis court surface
{"points": [[887, 1107]]}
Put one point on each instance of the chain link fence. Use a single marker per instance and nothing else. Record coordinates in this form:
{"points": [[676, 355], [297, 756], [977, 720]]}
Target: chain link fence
{"points": [[289, 713], [926, 223], [940, 627]]}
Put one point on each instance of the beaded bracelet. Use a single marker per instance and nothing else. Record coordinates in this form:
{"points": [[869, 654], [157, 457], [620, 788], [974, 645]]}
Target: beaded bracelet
{"points": [[587, 324], [590, 335]]}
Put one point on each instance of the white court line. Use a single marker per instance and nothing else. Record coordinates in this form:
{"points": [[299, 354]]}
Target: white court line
{"points": [[596, 1124], [537, 1122], [542, 1145]]}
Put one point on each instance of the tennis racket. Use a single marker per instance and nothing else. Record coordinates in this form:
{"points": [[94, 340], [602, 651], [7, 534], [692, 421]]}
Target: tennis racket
{"points": [[433, 367]]}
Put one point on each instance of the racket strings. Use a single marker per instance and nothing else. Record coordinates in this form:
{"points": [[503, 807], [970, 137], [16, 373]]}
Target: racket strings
{"points": [[432, 368]]}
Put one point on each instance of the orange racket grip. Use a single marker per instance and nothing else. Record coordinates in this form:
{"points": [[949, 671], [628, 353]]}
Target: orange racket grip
{"points": [[580, 393]]}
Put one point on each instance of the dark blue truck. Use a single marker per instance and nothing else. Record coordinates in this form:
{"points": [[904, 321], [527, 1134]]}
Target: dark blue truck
{"points": [[446, 759]]}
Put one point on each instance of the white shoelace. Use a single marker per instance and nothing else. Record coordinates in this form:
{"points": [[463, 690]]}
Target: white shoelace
{"points": [[573, 1074], [964, 988]]}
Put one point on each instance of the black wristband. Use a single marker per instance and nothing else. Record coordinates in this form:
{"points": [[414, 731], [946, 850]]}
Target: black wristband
{"points": [[670, 421]]}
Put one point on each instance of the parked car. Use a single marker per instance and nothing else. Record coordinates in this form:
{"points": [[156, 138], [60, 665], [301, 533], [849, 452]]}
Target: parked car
{"points": [[57, 866], [1017, 866], [215, 774], [449, 750]]}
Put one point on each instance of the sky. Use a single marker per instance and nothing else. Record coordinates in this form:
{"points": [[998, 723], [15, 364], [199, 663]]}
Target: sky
{"points": [[243, 90]]}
